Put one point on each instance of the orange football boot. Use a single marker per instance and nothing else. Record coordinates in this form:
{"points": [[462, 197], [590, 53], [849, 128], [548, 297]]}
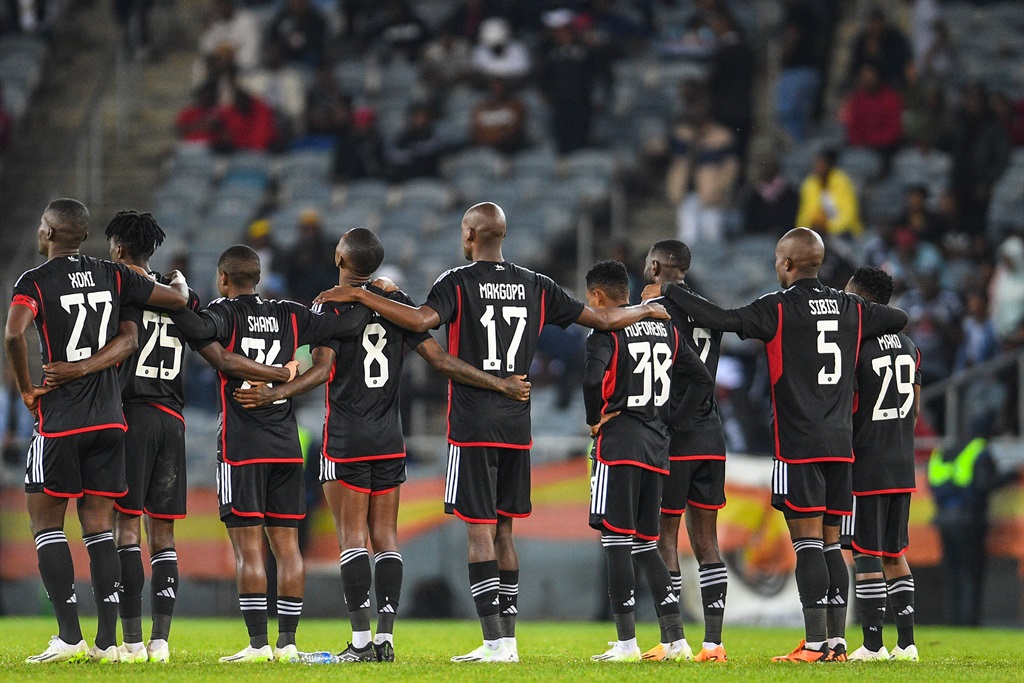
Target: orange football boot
{"points": [[803, 654], [715, 654]]}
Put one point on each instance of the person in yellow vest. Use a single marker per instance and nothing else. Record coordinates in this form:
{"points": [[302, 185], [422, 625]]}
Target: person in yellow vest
{"points": [[828, 200], [962, 477]]}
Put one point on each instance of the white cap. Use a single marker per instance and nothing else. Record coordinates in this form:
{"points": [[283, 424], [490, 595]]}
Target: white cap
{"points": [[558, 18], [495, 31]]}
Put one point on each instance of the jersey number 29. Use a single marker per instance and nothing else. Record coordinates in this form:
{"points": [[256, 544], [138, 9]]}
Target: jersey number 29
{"points": [[904, 386]]}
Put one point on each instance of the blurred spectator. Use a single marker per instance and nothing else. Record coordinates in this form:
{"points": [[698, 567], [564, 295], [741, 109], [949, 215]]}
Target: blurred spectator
{"points": [[925, 116], [692, 40], [702, 174], [235, 27], [939, 62], [280, 86], [198, 121], [248, 121], [400, 33], [416, 153], [883, 45], [1011, 115], [465, 21], [828, 201], [497, 54], [935, 315], [909, 257], [133, 16], [302, 32], [327, 105], [567, 79], [731, 79], [923, 16], [839, 263], [1007, 293], [918, 218], [310, 266], [612, 29], [873, 113], [948, 214], [797, 90], [770, 202], [979, 333], [15, 425], [6, 123], [259, 237], [359, 148], [500, 120], [445, 61], [981, 150]]}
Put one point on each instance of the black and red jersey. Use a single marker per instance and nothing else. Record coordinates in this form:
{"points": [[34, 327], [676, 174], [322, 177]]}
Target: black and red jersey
{"points": [[494, 313], [268, 332], [813, 334], [364, 421], [77, 302], [154, 373], [883, 420], [639, 366]]}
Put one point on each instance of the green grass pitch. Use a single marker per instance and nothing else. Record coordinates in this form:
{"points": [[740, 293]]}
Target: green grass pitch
{"points": [[549, 652]]}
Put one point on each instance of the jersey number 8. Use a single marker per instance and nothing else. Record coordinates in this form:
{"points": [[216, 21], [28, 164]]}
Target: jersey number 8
{"points": [[374, 341], [651, 360]]}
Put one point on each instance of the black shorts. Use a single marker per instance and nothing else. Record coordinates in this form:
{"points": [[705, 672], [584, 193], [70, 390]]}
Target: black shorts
{"points": [[813, 489], [482, 482], [372, 477], [880, 525], [154, 454], [70, 466], [700, 483], [261, 493], [626, 499]]}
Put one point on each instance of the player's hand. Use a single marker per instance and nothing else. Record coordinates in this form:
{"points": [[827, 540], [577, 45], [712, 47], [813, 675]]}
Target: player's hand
{"points": [[339, 294], [594, 429], [175, 277], [651, 292], [31, 398], [386, 284], [141, 271], [516, 388], [61, 372], [658, 312], [256, 395]]}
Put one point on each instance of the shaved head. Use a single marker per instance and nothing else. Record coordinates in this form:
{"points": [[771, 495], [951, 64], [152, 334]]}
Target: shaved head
{"points": [[483, 228], [69, 219], [798, 255]]}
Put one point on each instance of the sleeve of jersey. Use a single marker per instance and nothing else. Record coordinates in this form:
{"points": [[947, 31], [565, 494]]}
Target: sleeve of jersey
{"points": [[917, 367], [703, 312], [25, 294], [877, 319], [559, 308], [315, 328], [598, 355], [444, 298], [412, 339], [135, 289], [760, 319], [203, 328]]}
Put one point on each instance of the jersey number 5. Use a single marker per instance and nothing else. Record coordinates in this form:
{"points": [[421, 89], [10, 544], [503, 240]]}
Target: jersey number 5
{"points": [[904, 386], [509, 313], [827, 348], [650, 361], [78, 300], [160, 324]]}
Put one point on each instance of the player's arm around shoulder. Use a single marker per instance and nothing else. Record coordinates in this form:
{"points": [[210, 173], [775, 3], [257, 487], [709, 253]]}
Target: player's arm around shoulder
{"points": [[514, 387], [605, 319], [415, 318], [114, 352], [259, 395]]}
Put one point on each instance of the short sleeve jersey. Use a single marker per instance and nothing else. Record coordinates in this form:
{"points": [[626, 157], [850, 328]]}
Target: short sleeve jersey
{"points": [[76, 301], [697, 435], [813, 335], [154, 373], [883, 425], [363, 417], [267, 332], [638, 379], [494, 313]]}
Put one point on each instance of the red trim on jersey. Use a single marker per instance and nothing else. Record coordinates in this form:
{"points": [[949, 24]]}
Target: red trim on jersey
{"points": [[856, 401], [263, 461], [918, 366], [167, 410], [58, 494], [351, 487], [773, 349], [840, 513], [365, 458], [471, 520], [295, 334], [281, 515], [543, 312], [327, 402], [453, 349], [877, 553], [492, 444], [806, 460], [81, 430], [126, 511], [610, 378], [885, 492], [118, 274], [666, 511], [634, 463], [224, 405], [106, 494], [860, 323], [681, 458], [702, 506], [645, 538], [383, 492], [800, 509], [158, 516], [46, 334], [246, 514], [627, 532], [26, 301], [514, 515]]}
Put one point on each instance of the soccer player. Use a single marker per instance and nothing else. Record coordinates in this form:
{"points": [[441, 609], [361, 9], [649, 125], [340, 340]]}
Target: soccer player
{"points": [[627, 384], [362, 465], [494, 311], [696, 481], [812, 335], [78, 451], [887, 404], [259, 480]]}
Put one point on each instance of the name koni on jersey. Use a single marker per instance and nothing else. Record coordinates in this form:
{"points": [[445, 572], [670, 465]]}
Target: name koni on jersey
{"points": [[824, 306], [506, 291], [263, 323]]}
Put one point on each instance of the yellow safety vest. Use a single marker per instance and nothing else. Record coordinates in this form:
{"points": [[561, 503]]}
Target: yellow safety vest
{"points": [[960, 470]]}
